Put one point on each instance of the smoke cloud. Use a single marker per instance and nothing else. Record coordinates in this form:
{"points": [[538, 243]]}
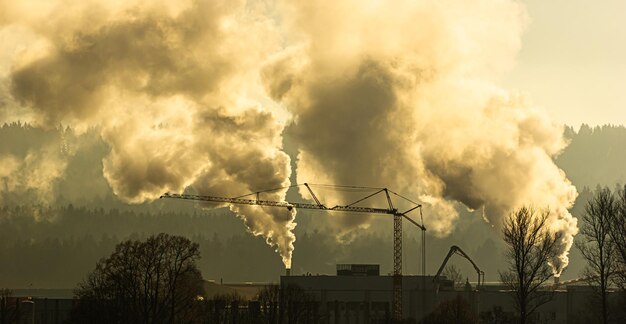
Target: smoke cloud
{"points": [[397, 94], [174, 88], [403, 94], [33, 174]]}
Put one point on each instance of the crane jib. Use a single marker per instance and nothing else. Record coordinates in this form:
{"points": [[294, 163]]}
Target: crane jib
{"points": [[285, 204], [350, 208]]}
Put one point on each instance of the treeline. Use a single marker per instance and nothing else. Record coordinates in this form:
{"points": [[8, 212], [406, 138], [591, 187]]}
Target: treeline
{"points": [[83, 219], [594, 156], [39, 222], [50, 166], [157, 280], [54, 247], [82, 182]]}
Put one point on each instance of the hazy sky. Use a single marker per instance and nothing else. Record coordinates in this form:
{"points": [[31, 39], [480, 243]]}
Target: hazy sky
{"points": [[573, 60]]}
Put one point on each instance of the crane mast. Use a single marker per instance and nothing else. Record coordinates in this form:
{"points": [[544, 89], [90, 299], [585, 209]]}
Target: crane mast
{"points": [[350, 208]]}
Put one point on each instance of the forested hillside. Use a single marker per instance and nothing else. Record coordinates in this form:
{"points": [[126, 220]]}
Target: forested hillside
{"points": [[52, 236], [595, 156]]}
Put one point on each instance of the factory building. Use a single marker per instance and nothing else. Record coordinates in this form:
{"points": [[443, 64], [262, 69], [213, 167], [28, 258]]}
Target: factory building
{"points": [[359, 294]]}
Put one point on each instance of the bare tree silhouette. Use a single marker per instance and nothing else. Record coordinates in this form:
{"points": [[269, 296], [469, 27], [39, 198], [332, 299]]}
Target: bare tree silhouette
{"points": [[530, 245], [596, 245], [155, 281]]}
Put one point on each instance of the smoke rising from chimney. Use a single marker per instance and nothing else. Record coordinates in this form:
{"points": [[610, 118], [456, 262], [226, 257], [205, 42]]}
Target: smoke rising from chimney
{"points": [[398, 94], [404, 95], [174, 88]]}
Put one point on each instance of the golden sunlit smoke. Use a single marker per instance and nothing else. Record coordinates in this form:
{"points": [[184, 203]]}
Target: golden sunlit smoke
{"points": [[398, 94], [402, 94], [174, 89]]}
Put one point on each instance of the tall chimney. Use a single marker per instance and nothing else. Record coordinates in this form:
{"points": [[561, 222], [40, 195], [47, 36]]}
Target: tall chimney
{"points": [[556, 280], [287, 272]]}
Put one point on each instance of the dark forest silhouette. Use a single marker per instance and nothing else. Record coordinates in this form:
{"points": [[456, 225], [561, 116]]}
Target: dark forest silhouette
{"points": [[52, 241]]}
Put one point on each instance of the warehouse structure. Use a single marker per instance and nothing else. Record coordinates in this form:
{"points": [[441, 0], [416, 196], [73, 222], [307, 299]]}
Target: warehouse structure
{"points": [[359, 294]]}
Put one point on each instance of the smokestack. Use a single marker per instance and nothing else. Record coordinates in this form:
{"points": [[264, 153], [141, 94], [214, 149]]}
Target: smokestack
{"points": [[556, 281], [287, 272]]}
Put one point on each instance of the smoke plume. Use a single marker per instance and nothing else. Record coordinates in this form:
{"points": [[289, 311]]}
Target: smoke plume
{"points": [[174, 88], [31, 174], [198, 93], [403, 94]]}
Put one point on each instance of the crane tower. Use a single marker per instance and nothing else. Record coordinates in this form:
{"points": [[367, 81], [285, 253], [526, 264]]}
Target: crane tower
{"points": [[352, 208]]}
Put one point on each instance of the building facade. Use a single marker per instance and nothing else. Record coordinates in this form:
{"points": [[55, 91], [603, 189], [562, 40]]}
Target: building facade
{"points": [[365, 297]]}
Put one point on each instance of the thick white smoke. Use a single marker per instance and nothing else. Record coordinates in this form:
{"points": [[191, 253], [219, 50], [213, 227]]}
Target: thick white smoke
{"points": [[401, 94], [174, 88]]}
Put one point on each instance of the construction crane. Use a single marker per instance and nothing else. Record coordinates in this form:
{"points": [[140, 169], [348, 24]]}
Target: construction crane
{"points": [[457, 250], [351, 208]]}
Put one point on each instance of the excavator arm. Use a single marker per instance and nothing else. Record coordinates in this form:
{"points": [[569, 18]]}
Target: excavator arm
{"points": [[457, 250]]}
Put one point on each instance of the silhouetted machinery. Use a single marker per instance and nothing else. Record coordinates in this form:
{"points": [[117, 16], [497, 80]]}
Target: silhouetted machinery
{"points": [[457, 250], [352, 208]]}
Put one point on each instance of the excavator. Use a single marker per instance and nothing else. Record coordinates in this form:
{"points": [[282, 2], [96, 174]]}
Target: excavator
{"points": [[457, 250]]}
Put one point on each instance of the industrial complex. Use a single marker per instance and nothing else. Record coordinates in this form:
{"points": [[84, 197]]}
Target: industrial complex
{"points": [[356, 293], [359, 294]]}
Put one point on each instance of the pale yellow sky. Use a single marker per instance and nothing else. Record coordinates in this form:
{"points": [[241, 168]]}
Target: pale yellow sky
{"points": [[573, 60]]}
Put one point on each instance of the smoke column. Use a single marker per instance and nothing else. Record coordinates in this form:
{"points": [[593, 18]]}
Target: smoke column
{"points": [[173, 87], [397, 94], [403, 94]]}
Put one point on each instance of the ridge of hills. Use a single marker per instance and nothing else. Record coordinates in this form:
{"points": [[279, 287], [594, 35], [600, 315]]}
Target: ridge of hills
{"points": [[53, 236]]}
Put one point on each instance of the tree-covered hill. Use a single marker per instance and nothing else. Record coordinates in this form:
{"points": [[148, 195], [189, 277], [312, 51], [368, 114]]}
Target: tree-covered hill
{"points": [[52, 235]]}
